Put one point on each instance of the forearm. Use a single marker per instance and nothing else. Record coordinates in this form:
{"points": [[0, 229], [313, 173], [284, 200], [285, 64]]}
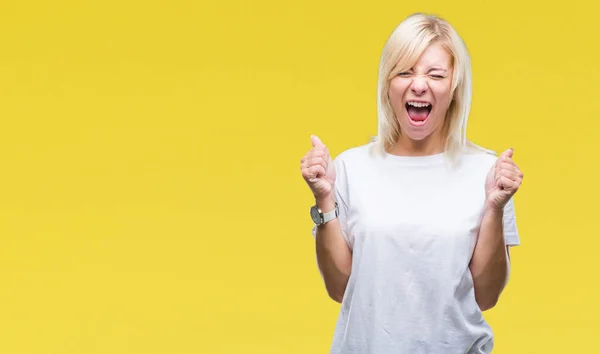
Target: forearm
{"points": [[490, 265], [333, 255]]}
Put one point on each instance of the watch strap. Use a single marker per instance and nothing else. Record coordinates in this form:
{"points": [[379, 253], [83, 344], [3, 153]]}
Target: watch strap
{"points": [[330, 215]]}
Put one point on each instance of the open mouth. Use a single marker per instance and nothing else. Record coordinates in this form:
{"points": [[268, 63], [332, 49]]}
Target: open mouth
{"points": [[418, 111]]}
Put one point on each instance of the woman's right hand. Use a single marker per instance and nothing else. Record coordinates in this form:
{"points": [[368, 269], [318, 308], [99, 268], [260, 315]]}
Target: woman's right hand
{"points": [[318, 170]]}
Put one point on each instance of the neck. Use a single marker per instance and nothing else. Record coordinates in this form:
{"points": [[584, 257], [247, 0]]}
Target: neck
{"points": [[405, 146]]}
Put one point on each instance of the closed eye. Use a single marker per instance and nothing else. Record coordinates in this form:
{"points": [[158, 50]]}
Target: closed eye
{"points": [[433, 76]]}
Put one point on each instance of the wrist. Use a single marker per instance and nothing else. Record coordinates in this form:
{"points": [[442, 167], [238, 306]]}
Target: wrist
{"points": [[325, 204], [493, 210]]}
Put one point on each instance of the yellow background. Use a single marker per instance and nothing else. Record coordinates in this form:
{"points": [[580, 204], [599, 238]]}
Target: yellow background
{"points": [[151, 198]]}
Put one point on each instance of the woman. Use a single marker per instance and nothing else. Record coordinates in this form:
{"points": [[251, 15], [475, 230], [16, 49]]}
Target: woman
{"points": [[413, 229]]}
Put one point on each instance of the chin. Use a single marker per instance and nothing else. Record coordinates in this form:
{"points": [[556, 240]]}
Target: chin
{"points": [[417, 136]]}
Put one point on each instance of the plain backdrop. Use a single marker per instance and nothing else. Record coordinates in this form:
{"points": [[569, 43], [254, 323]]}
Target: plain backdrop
{"points": [[151, 199]]}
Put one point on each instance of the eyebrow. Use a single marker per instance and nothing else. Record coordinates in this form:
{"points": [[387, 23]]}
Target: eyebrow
{"points": [[436, 69]]}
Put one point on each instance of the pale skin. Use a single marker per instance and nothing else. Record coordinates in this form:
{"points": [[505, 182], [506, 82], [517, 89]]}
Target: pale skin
{"points": [[428, 81], [333, 255]]}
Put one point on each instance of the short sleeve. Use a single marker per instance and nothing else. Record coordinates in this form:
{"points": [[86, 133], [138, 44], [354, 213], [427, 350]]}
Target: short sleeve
{"points": [[341, 197], [511, 232]]}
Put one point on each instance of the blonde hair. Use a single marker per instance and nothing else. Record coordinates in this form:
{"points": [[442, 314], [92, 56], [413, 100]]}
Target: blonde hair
{"points": [[401, 52]]}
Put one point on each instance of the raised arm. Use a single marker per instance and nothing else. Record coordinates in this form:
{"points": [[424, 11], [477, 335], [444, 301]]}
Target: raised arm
{"points": [[490, 264], [333, 254]]}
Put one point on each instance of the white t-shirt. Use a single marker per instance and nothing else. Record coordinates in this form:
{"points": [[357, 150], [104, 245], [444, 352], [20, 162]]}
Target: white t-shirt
{"points": [[412, 225]]}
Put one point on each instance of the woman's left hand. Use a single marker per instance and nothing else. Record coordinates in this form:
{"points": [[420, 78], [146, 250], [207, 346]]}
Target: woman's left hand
{"points": [[503, 181]]}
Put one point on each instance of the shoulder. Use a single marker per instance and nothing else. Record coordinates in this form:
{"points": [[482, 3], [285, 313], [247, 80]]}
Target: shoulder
{"points": [[353, 165], [356, 155], [474, 156]]}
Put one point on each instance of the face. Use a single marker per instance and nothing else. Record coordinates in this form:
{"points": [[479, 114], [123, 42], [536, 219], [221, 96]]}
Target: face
{"points": [[420, 96]]}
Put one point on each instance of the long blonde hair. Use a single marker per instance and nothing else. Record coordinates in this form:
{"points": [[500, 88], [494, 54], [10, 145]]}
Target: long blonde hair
{"points": [[401, 52]]}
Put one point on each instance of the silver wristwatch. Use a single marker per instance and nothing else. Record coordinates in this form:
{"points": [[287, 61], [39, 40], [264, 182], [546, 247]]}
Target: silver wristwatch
{"points": [[319, 218]]}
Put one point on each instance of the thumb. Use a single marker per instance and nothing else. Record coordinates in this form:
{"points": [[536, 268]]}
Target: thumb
{"points": [[316, 142], [508, 153]]}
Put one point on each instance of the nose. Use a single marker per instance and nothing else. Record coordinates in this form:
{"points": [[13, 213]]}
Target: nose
{"points": [[419, 85]]}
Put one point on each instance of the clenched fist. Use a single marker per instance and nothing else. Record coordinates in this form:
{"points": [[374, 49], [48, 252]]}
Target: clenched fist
{"points": [[318, 170], [503, 181]]}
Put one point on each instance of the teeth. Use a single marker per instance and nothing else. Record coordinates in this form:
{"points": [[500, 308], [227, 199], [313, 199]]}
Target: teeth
{"points": [[419, 104]]}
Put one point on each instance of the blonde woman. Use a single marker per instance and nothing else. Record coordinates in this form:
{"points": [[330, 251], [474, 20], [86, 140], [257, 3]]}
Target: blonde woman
{"points": [[413, 229]]}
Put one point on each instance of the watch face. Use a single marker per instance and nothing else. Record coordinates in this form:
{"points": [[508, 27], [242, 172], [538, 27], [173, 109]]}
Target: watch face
{"points": [[315, 215]]}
